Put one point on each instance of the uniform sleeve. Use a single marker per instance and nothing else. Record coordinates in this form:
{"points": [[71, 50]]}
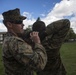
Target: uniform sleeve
{"points": [[23, 53], [57, 32], [57, 26]]}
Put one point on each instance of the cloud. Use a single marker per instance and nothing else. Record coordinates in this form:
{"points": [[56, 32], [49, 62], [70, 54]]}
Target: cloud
{"points": [[28, 15], [65, 8], [28, 22], [43, 15], [2, 28], [1, 17], [30, 19], [44, 5]]}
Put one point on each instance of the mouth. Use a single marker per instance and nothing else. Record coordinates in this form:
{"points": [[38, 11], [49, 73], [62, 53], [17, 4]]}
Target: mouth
{"points": [[21, 27]]}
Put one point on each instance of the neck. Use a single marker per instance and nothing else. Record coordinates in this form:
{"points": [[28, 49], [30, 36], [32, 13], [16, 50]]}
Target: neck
{"points": [[11, 31]]}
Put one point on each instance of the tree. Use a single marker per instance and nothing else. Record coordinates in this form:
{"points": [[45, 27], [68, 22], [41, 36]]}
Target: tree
{"points": [[71, 35]]}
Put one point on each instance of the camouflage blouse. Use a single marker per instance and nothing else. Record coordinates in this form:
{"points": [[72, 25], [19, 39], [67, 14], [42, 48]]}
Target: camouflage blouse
{"points": [[20, 59], [57, 32]]}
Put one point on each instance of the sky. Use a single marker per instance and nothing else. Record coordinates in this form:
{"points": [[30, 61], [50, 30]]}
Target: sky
{"points": [[48, 11]]}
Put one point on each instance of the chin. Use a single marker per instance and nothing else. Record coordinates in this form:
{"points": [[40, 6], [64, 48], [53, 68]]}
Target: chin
{"points": [[21, 31]]}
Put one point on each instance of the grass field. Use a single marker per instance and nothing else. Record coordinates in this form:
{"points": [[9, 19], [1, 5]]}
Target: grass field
{"points": [[1, 65], [68, 54]]}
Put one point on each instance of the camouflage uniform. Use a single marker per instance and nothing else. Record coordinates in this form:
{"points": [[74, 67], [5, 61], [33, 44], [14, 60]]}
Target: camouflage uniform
{"points": [[20, 59], [57, 32]]}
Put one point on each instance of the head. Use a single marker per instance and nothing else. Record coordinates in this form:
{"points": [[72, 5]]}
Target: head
{"points": [[39, 26], [13, 21]]}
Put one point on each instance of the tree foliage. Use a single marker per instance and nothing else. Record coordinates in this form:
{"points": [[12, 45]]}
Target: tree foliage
{"points": [[71, 35]]}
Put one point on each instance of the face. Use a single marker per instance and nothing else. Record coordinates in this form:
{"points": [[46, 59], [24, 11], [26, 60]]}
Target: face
{"points": [[17, 27]]}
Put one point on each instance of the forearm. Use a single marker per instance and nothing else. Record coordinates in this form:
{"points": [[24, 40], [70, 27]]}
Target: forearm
{"points": [[38, 59], [57, 32], [42, 56], [57, 26]]}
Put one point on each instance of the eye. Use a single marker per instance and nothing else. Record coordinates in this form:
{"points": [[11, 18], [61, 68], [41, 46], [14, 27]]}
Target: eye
{"points": [[17, 22]]}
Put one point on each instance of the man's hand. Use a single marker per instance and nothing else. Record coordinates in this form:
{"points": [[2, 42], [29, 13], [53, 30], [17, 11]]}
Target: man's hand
{"points": [[34, 37]]}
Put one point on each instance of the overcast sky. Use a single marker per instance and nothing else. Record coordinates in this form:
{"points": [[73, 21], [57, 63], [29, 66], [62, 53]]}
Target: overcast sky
{"points": [[47, 10]]}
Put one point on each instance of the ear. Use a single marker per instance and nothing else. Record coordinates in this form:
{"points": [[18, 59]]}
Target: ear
{"points": [[9, 25]]}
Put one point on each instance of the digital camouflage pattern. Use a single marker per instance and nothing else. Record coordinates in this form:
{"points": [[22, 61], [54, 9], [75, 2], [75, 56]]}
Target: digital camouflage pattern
{"points": [[20, 59], [57, 32], [14, 15]]}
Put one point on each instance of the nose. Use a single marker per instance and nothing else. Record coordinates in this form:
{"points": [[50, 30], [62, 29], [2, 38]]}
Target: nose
{"points": [[22, 24]]}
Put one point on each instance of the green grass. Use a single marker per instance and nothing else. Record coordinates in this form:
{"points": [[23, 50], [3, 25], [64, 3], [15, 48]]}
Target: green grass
{"points": [[1, 63], [68, 54]]}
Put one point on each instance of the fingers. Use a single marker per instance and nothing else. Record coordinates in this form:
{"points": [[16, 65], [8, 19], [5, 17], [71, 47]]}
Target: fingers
{"points": [[34, 37], [34, 34]]}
